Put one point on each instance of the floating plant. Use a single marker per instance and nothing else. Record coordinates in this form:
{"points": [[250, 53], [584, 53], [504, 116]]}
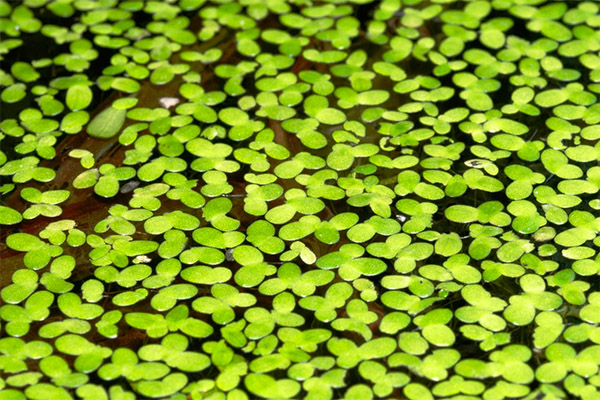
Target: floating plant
{"points": [[209, 199]]}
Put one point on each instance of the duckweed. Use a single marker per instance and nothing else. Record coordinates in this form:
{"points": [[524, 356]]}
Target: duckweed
{"points": [[209, 199]]}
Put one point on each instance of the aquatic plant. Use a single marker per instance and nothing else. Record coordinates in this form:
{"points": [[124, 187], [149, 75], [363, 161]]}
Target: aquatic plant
{"points": [[215, 199]]}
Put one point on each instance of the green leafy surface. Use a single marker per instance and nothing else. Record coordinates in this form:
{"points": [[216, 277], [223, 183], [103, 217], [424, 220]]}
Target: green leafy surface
{"points": [[296, 199]]}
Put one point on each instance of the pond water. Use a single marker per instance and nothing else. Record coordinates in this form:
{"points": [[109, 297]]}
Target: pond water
{"points": [[295, 199]]}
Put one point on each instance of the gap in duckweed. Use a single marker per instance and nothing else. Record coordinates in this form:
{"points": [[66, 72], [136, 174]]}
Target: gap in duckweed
{"points": [[355, 200]]}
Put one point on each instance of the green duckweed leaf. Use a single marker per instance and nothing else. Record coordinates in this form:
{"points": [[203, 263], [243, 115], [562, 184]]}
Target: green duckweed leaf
{"points": [[79, 97], [9, 216], [107, 123], [233, 116]]}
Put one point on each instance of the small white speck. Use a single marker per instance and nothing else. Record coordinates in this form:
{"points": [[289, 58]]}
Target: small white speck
{"points": [[168, 102], [141, 259]]}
